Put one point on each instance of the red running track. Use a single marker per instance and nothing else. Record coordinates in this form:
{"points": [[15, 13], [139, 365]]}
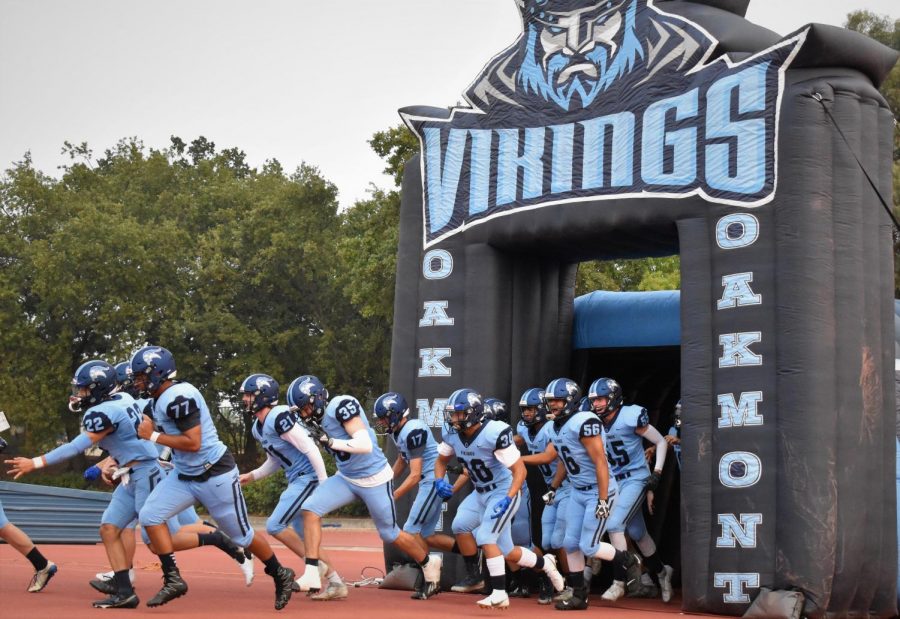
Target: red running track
{"points": [[217, 588]]}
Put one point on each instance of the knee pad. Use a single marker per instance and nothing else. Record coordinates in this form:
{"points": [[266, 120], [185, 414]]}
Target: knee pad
{"points": [[274, 526], [389, 535], [149, 519]]}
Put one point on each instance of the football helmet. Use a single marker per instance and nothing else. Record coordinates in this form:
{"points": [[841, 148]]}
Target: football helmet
{"points": [[564, 389], [464, 401], [124, 378], [533, 398], [264, 390], [98, 377], [390, 409], [156, 363], [496, 409], [609, 389], [308, 389], [678, 415]]}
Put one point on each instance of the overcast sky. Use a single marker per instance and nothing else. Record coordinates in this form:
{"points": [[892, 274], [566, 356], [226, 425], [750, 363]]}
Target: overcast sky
{"points": [[294, 80]]}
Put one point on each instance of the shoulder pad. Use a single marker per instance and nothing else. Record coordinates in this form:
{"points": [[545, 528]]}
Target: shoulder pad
{"points": [[284, 421], [504, 439], [182, 406], [636, 416], [590, 427], [345, 408], [97, 420], [416, 439]]}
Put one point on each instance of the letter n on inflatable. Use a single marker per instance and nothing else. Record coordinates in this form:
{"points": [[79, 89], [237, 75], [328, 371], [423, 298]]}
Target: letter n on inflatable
{"points": [[628, 128]]}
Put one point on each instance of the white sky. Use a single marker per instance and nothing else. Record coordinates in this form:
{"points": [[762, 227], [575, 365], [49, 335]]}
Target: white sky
{"points": [[291, 79]]}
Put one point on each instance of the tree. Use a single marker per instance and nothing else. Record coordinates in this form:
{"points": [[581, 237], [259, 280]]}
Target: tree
{"points": [[886, 30]]}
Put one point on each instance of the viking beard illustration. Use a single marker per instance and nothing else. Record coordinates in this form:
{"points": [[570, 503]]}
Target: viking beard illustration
{"points": [[574, 54]]}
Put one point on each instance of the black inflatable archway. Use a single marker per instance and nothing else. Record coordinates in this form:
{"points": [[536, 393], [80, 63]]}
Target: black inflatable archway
{"points": [[635, 128]]}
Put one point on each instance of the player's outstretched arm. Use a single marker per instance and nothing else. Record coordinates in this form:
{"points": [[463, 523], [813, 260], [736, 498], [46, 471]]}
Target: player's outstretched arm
{"points": [[545, 457], [22, 466]]}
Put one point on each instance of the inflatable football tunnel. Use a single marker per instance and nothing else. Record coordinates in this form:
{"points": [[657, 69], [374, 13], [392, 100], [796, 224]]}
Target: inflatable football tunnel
{"points": [[632, 128]]}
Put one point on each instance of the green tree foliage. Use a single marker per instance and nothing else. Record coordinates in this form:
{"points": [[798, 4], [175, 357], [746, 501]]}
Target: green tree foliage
{"points": [[230, 267], [886, 30]]}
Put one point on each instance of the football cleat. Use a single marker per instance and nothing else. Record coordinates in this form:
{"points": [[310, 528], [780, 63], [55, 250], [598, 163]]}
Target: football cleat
{"points": [[577, 601], [472, 583], [545, 593], [118, 601], [284, 580], [498, 600], [104, 586], [550, 569], [432, 569], [173, 587], [310, 581], [665, 583], [42, 577], [615, 591], [247, 570], [331, 592], [565, 594]]}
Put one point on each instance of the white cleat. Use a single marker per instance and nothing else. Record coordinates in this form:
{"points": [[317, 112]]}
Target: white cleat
{"points": [[310, 581], [615, 591], [331, 592], [432, 569], [108, 576], [498, 600], [552, 572], [665, 583], [247, 570]]}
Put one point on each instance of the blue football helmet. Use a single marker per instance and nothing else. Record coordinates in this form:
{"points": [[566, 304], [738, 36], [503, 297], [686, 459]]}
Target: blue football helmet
{"points": [[533, 398], [585, 405], [390, 409], [464, 401], [308, 389], [264, 390], [124, 378], [496, 409], [609, 389], [564, 389], [154, 362], [99, 378]]}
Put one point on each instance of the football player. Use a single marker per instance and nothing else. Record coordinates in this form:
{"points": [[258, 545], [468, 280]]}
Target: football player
{"points": [[487, 450], [288, 446], [204, 471], [341, 426], [576, 436], [624, 430]]}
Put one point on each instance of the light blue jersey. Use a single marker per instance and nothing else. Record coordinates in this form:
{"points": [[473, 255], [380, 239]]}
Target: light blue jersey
{"points": [[673, 431], [340, 410], [123, 415], [477, 454], [414, 440], [625, 448], [566, 437], [536, 441], [180, 408], [280, 420]]}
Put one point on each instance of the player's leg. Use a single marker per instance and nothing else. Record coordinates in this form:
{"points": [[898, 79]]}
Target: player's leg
{"points": [[577, 504], [627, 502], [380, 502], [637, 530], [467, 519], [121, 512], [223, 498], [424, 513], [495, 538], [44, 570], [331, 494], [521, 536]]}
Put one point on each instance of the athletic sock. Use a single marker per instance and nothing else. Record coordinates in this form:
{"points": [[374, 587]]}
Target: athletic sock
{"points": [[221, 542], [272, 565], [123, 582], [168, 562], [653, 563], [37, 559]]}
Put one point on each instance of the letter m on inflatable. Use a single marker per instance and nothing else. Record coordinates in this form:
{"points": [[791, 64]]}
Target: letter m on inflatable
{"points": [[628, 128]]}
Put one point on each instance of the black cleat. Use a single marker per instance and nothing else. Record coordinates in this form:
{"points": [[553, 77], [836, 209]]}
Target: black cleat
{"points": [[425, 589], [515, 587], [545, 594], [578, 601], [284, 586], [472, 583], [118, 601], [104, 586], [173, 587]]}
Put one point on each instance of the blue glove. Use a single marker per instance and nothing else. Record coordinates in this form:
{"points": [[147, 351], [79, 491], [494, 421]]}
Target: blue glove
{"points": [[501, 507], [443, 488], [92, 473]]}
